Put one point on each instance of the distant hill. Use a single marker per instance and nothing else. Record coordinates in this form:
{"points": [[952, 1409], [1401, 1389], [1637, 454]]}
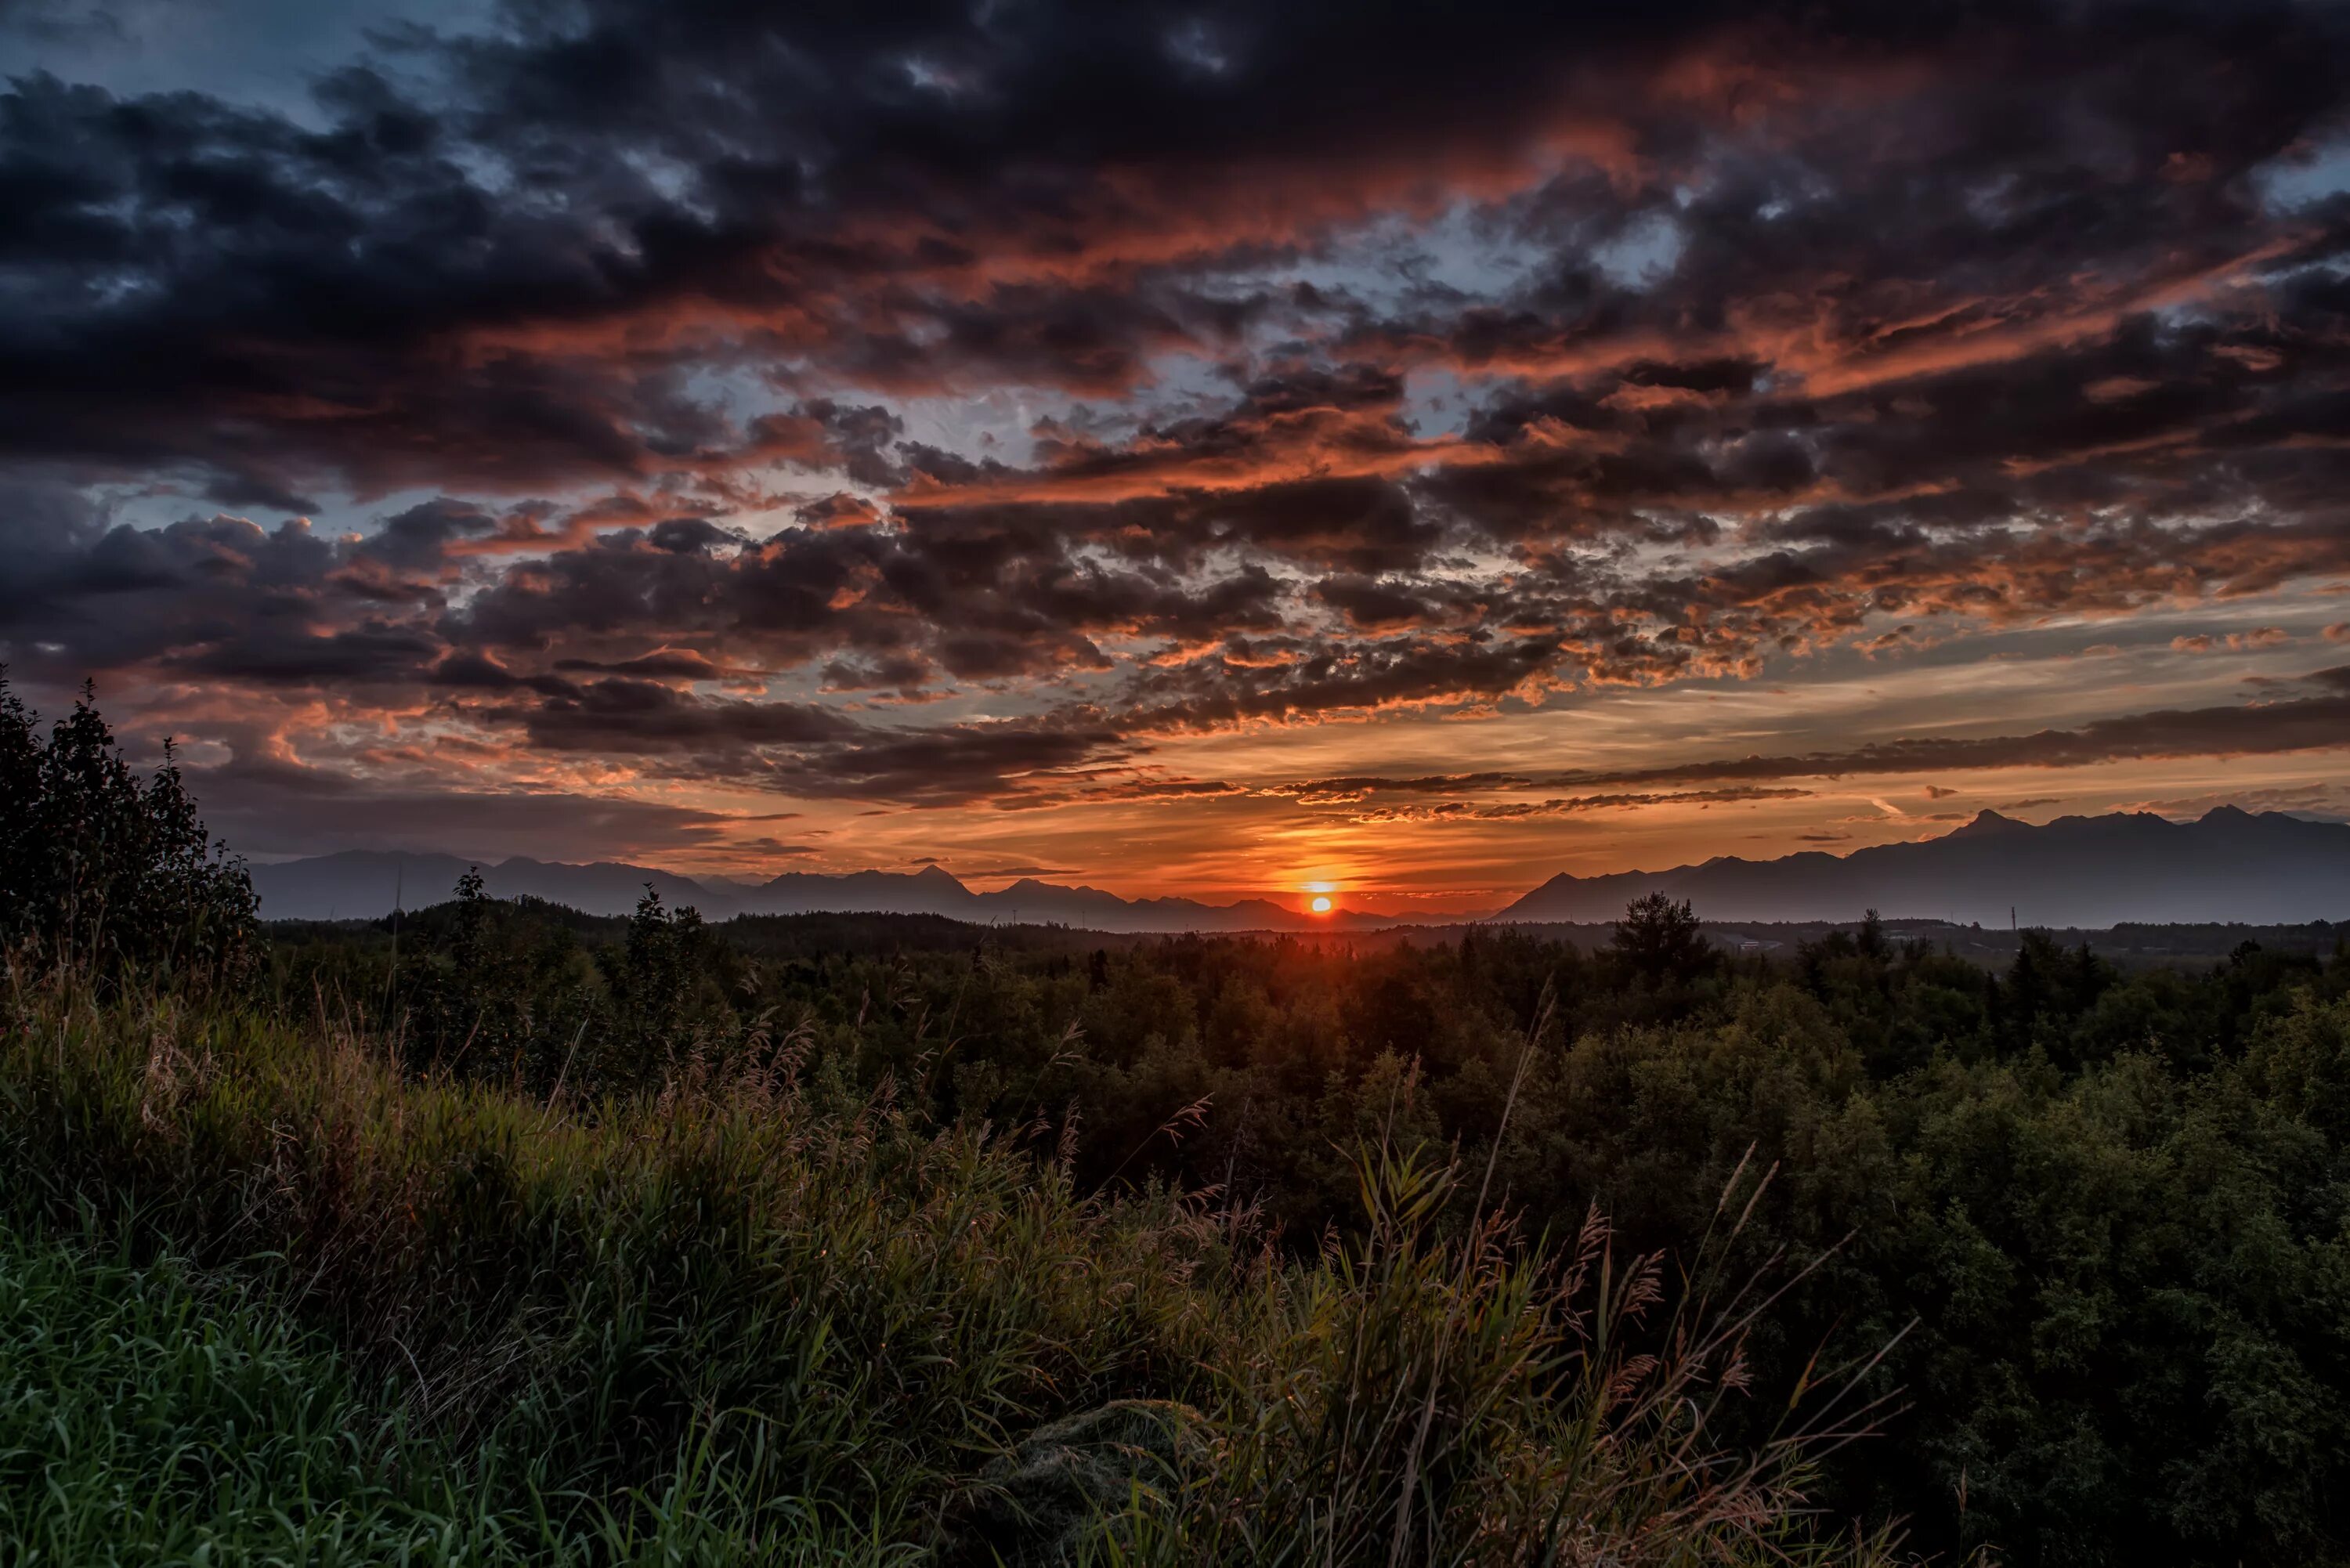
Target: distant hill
{"points": [[364, 884], [361, 884], [2090, 872]]}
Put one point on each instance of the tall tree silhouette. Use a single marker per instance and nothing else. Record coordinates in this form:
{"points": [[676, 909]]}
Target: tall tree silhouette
{"points": [[1660, 939], [96, 867]]}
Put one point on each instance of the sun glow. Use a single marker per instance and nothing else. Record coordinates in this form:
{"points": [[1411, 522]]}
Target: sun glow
{"points": [[1321, 905]]}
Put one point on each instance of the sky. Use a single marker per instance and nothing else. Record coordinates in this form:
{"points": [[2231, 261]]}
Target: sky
{"points": [[1183, 449]]}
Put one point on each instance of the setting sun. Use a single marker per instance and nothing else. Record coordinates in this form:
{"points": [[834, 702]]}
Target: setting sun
{"points": [[1321, 905]]}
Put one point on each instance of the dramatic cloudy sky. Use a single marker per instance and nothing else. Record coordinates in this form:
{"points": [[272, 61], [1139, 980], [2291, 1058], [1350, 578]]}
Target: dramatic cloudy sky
{"points": [[1183, 447]]}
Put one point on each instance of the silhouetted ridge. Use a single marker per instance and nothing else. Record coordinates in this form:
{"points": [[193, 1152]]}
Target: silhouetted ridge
{"points": [[2091, 872], [1988, 822], [364, 884]]}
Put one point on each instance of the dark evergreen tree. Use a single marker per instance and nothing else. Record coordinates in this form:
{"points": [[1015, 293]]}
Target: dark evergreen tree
{"points": [[1661, 941]]}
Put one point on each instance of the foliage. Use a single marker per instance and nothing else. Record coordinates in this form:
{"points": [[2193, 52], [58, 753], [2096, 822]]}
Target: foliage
{"points": [[733, 1317], [98, 870], [2117, 1214], [1661, 941]]}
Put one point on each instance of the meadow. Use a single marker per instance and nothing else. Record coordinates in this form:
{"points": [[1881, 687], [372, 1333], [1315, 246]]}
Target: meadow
{"points": [[497, 1233]]}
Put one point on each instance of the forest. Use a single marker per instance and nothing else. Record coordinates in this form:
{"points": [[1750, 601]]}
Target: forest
{"points": [[887, 1238]]}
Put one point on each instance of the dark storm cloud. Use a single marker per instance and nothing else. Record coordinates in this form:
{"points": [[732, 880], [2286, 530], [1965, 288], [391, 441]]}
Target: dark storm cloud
{"points": [[951, 765], [492, 263], [627, 716], [1572, 805], [806, 748], [1758, 329], [957, 589], [219, 596], [1334, 676], [279, 809], [2294, 724], [2298, 724]]}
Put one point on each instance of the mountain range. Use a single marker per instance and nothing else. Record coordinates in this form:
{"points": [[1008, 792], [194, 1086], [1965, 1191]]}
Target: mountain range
{"points": [[367, 883], [2089, 872]]}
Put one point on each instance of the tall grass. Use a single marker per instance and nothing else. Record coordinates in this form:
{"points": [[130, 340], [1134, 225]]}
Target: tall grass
{"points": [[747, 1319], [1412, 1400], [149, 1413]]}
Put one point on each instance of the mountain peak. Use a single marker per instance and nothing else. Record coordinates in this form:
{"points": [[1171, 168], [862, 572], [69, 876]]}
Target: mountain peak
{"points": [[2076, 871], [938, 875]]}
